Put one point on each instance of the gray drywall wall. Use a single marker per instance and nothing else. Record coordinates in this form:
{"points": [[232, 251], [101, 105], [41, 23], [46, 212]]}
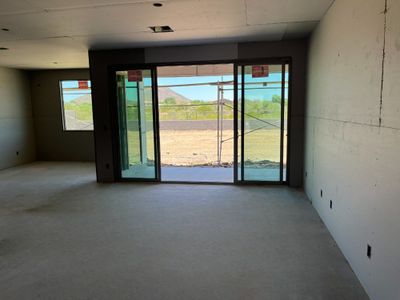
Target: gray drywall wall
{"points": [[353, 137], [53, 143], [101, 61], [191, 53], [17, 141]]}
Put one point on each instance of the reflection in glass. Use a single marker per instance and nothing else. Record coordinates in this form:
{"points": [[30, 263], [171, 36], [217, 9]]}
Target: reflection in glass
{"points": [[135, 116]]}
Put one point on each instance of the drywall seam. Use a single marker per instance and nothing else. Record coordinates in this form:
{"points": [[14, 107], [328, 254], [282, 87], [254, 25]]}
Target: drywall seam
{"points": [[326, 11], [383, 63], [246, 11], [352, 122]]}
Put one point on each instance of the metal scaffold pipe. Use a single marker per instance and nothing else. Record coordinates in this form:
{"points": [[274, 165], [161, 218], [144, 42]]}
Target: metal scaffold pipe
{"points": [[222, 124], [218, 123]]}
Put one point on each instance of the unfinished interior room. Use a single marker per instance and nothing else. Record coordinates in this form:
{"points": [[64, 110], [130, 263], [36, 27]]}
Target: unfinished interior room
{"points": [[200, 149]]}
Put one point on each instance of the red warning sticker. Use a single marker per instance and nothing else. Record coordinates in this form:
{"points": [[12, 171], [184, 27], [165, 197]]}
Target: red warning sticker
{"points": [[260, 71], [135, 75], [83, 85]]}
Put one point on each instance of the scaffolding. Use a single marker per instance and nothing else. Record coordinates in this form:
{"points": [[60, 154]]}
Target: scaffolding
{"points": [[222, 104]]}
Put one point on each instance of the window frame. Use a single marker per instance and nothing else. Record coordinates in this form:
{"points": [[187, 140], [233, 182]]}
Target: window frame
{"points": [[60, 88]]}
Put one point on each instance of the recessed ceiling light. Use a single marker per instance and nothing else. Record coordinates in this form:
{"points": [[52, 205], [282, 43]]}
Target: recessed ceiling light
{"points": [[5, 29], [4, 48], [157, 4], [161, 29]]}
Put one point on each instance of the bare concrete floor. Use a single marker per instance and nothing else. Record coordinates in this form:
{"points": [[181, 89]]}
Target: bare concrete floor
{"points": [[63, 236]]}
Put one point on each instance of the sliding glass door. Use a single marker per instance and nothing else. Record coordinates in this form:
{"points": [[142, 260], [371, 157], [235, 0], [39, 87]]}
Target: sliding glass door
{"points": [[261, 122], [260, 111], [137, 124]]}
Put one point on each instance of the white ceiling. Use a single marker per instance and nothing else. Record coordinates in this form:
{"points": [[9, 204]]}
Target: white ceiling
{"points": [[58, 33]]}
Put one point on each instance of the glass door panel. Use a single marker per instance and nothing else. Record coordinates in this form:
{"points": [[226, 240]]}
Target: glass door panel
{"points": [[261, 105], [239, 119], [135, 102], [285, 120]]}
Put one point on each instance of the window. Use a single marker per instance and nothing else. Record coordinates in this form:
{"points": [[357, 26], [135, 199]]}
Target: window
{"points": [[76, 103]]}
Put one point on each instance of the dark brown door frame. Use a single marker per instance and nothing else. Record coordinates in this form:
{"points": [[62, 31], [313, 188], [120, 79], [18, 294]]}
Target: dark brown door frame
{"points": [[282, 62], [236, 63], [114, 121]]}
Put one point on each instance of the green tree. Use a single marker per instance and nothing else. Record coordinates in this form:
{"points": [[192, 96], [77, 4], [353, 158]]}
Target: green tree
{"points": [[276, 99]]}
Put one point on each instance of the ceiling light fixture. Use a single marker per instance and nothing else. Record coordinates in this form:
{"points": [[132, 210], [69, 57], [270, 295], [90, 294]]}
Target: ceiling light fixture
{"points": [[161, 29], [157, 4]]}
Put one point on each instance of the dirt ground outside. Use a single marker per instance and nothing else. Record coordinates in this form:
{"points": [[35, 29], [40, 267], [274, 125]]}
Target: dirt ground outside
{"points": [[199, 147]]}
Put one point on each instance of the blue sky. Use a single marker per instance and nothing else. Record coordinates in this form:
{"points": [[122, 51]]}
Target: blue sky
{"points": [[69, 96], [203, 93], [209, 93]]}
